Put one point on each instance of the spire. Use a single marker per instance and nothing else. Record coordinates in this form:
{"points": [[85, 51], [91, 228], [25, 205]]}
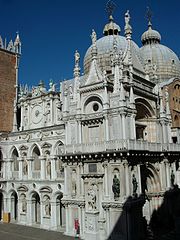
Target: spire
{"points": [[117, 60], [17, 44], [168, 113], [95, 74], [127, 28], [76, 74], [94, 47]]}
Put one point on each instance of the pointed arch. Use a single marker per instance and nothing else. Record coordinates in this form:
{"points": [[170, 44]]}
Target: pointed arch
{"points": [[35, 155], [55, 149], [30, 150], [14, 151]]}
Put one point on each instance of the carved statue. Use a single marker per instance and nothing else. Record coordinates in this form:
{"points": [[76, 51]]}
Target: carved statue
{"points": [[116, 187], [25, 167], [48, 167], [77, 58], [172, 178], [93, 37], [47, 207], [127, 18], [135, 184], [91, 198]]}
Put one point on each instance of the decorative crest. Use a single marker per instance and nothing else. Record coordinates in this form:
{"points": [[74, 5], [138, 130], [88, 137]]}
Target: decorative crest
{"points": [[149, 15], [110, 7]]}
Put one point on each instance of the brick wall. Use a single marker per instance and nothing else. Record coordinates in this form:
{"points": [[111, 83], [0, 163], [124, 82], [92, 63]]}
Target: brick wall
{"points": [[7, 89]]}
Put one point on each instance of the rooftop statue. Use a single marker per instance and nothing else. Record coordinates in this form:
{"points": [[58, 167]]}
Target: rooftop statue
{"points": [[93, 37]]}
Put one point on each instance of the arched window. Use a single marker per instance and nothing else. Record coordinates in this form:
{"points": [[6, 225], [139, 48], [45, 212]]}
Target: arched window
{"points": [[36, 154], [15, 161]]}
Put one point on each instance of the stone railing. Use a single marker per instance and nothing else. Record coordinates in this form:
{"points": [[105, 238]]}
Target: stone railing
{"points": [[115, 145], [36, 175], [15, 175], [1, 174]]}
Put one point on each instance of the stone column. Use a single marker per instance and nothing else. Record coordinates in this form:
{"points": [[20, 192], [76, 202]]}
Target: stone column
{"points": [[123, 127], [29, 168], [20, 160], [81, 180], [120, 127], [4, 169], [54, 215], [67, 219], [65, 180], [29, 212], [9, 168], [78, 181], [107, 128], [22, 115], [52, 109], [28, 116], [167, 173], [106, 194], [139, 179], [126, 170], [107, 221], [79, 132], [133, 127], [53, 160], [43, 167]]}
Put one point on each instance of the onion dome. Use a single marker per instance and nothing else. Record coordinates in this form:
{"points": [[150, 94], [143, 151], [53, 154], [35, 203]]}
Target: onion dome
{"points": [[159, 57], [150, 36], [111, 28]]}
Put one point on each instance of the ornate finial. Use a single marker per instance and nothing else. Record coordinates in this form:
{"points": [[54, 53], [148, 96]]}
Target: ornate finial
{"points": [[149, 16], [93, 37], [110, 7], [77, 58]]}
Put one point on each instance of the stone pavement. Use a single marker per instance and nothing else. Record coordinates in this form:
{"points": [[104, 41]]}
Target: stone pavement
{"points": [[18, 232]]}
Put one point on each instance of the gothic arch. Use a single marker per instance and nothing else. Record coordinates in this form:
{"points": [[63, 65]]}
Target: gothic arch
{"points": [[55, 147], [13, 150], [30, 151]]}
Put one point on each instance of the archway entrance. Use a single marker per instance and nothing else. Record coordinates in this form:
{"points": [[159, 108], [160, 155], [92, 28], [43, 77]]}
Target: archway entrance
{"points": [[1, 206], [60, 213], [151, 187], [14, 206], [36, 211]]}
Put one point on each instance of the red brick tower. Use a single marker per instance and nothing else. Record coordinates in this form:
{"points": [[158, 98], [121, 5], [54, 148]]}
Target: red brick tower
{"points": [[9, 63]]}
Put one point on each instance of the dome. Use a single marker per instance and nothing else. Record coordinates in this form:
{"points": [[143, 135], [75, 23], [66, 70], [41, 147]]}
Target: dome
{"points": [[153, 53], [104, 51], [150, 36]]}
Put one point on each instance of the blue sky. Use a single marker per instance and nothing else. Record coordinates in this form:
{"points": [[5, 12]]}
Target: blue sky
{"points": [[51, 30]]}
